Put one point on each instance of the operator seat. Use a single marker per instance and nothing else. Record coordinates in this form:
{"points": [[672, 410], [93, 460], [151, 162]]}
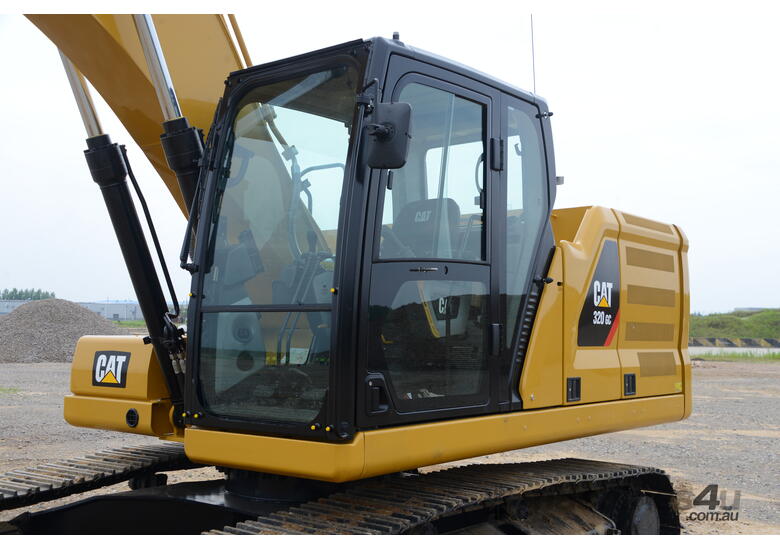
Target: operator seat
{"points": [[415, 227]]}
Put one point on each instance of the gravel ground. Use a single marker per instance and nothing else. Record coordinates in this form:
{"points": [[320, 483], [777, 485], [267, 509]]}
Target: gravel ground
{"points": [[47, 330], [732, 438]]}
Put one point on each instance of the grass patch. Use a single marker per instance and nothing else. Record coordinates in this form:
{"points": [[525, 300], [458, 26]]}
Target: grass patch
{"points": [[8, 391], [738, 324], [747, 356], [131, 324]]}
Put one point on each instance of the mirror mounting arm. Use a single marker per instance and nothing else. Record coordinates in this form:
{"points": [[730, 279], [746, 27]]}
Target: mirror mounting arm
{"points": [[364, 99], [383, 132]]}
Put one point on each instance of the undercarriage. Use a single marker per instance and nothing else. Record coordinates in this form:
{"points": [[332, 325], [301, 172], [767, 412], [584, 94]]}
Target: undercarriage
{"points": [[564, 496]]}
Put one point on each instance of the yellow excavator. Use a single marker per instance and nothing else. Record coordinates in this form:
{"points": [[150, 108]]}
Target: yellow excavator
{"points": [[379, 283]]}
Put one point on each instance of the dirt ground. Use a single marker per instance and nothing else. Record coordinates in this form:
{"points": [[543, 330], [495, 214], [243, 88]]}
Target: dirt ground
{"points": [[732, 439]]}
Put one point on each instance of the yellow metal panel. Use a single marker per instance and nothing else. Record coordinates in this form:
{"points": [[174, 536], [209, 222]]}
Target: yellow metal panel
{"points": [[656, 363], [541, 382], [647, 224], [105, 407], [648, 259], [648, 336], [110, 414], [566, 222], [598, 368], [685, 309], [649, 332], [144, 379], [105, 48], [277, 455], [407, 447], [650, 296], [391, 450]]}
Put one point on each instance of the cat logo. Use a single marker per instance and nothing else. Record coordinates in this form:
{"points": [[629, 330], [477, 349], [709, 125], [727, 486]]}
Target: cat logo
{"points": [[110, 368], [602, 294], [422, 216]]}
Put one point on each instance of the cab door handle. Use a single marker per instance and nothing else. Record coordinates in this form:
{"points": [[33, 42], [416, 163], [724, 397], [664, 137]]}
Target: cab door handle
{"points": [[377, 399], [496, 154]]}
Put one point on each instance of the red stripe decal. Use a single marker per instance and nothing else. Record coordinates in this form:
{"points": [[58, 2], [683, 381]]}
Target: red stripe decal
{"points": [[613, 330]]}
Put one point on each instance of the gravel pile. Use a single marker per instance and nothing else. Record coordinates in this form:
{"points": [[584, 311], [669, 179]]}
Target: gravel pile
{"points": [[43, 331]]}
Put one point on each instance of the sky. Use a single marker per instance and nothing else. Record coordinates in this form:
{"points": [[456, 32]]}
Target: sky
{"points": [[662, 111]]}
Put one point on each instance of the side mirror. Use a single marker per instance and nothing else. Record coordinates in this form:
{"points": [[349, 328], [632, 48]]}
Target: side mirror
{"points": [[388, 135]]}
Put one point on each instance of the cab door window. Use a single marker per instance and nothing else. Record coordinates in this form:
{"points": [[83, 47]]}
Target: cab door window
{"points": [[526, 186], [434, 207]]}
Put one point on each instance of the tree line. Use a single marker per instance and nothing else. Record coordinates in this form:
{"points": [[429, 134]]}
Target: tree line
{"points": [[25, 294]]}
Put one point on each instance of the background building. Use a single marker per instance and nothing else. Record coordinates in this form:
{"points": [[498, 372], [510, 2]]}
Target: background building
{"points": [[116, 311], [7, 306]]}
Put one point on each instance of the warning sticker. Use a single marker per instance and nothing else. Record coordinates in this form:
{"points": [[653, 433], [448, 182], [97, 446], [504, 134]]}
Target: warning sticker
{"points": [[110, 368], [600, 312]]}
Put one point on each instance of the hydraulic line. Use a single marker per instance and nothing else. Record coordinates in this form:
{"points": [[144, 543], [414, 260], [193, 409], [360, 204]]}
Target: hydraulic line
{"points": [[240, 40], [109, 170], [153, 232]]}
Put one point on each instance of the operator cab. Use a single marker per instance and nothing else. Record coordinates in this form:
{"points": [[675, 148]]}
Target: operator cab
{"points": [[358, 273]]}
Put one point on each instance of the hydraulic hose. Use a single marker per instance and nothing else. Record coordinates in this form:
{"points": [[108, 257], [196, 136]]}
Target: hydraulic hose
{"points": [[107, 166]]}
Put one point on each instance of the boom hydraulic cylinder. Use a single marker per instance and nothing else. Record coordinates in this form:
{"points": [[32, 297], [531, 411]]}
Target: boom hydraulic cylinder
{"points": [[109, 171], [182, 143], [106, 162]]}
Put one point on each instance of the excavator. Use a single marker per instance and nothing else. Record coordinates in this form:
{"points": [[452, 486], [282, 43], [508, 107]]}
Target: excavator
{"points": [[380, 283]]}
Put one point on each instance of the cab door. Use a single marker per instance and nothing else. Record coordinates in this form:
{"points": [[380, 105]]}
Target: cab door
{"points": [[430, 331]]}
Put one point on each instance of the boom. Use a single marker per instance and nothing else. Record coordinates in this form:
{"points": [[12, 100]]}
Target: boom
{"points": [[199, 51]]}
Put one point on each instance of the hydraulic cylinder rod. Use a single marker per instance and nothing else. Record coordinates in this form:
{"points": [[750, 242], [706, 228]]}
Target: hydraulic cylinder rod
{"points": [[83, 98], [158, 69], [109, 171], [182, 143]]}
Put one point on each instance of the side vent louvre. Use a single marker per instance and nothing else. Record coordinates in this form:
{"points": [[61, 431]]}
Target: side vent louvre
{"points": [[527, 322], [573, 389]]}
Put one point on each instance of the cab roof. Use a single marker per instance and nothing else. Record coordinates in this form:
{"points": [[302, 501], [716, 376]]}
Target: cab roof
{"points": [[383, 47]]}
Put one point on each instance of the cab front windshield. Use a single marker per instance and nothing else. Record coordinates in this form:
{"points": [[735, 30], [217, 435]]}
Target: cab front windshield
{"points": [[266, 306]]}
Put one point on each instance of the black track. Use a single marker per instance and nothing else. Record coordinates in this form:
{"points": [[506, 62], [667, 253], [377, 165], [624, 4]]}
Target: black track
{"points": [[23, 487], [413, 503]]}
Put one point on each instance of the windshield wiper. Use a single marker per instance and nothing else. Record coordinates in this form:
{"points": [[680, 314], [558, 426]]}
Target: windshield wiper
{"points": [[303, 87]]}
